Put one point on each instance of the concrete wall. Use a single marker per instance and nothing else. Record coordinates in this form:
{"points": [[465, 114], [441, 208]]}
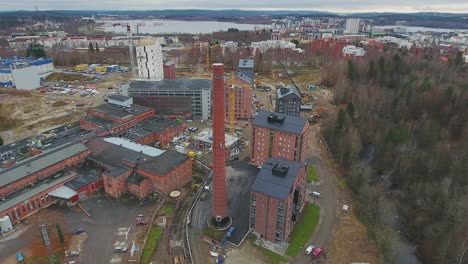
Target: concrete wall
{"points": [[26, 78], [150, 61]]}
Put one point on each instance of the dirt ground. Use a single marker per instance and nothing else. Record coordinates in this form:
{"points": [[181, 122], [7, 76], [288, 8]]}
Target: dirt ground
{"points": [[25, 113]]}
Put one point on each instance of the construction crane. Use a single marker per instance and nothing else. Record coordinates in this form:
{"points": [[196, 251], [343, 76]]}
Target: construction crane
{"points": [[289, 76], [232, 103]]}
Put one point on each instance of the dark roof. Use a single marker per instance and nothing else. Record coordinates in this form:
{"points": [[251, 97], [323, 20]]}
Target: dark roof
{"points": [[285, 91], [136, 178], [39, 162], [84, 178], [118, 97], [120, 112], [158, 124], [117, 171], [290, 124], [164, 163], [112, 155], [177, 84], [246, 63], [104, 123], [276, 186]]}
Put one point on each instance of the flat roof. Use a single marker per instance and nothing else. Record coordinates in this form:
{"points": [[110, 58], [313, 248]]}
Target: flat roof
{"points": [[118, 97], [83, 178], [276, 186], [100, 121], [28, 193], [246, 63], [291, 124], [117, 171], [120, 112], [123, 142], [206, 135], [39, 162], [158, 124], [136, 179], [177, 84], [63, 192]]}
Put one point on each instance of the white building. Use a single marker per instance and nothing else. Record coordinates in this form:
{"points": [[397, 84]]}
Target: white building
{"points": [[150, 61], [352, 26], [24, 73], [353, 51], [263, 46]]}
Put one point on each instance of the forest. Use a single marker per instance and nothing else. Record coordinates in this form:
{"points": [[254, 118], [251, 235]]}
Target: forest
{"points": [[401, 133]]}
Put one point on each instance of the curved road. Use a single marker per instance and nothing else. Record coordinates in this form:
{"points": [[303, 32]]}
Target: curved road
{"points": [[328, 206]]}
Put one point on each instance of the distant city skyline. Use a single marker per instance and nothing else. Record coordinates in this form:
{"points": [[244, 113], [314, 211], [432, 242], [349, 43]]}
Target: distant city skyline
{"points": [[338, 6]]}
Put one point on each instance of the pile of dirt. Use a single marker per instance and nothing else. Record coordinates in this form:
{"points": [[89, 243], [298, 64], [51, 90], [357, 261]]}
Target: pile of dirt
{"points": [[68, 77], [59, 103]]}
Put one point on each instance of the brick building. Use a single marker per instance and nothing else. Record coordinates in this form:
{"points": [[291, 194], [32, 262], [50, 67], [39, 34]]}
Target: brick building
{"points": [[115, 118], [246, 69], [243, 102], [139, 169], [169, 70], [276, 135], [158, 130], [277, 197]]}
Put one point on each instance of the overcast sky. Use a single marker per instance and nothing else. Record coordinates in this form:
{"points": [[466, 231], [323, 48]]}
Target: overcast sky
{"points": [[343, 6]]}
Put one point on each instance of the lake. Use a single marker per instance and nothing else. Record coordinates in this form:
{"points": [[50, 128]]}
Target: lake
{"points": [[160, 26]]}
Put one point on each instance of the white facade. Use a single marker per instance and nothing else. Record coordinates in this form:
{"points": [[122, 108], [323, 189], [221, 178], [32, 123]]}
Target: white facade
{"points": [[352, 26], [263, 46], [150, 61], [26, 77], [351, 50]]}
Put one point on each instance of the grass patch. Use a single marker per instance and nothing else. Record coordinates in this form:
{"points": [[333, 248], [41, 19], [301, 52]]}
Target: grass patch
{"points": [[312, 174], [168, 209], [213, 233], [151, 244], [341, 183], [274, 258], [303, 229]]}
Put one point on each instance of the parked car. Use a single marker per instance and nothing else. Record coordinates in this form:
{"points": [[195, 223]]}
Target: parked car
{"points": [[72, 253], [19, 257], [309, 249], [71, 262], [141, 221], [78, 231], [120, 249], [315, 194], [317, 252]]}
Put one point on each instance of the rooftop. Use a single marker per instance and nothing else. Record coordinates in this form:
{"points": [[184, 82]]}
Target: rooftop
{"points": [[178, 84], [206, 135], [100, 121], [285, 91], [136, 178], [158, 124], [286, 123], [246, 63], [168, 63], [118, 97], [27, 193], [119, 112], [276, 178], [147, 150], [117, 171], [39, 162], [84, 178], [20, 62]]}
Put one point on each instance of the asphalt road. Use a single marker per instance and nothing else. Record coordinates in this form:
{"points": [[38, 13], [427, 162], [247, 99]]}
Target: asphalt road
{"points": [[328, 214]]}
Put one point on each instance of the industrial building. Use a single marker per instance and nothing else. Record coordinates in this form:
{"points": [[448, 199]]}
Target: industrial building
{"points": [[172, 97], [277, 197], [150, 60], [115, 117], [288, 101], [245, 70], [243, 99], [169, 70], [139, 169], [204, 141], [155, 130], [24, 73], [276, 135]]}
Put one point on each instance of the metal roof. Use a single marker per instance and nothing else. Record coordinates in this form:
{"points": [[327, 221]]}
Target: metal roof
{"points": [[123, 142], [177, 84], [291, 90], [63, 192], [291, 124], [118, 97], [120, 112], [246, 63], [39, 162], [275, 186], [28, 193]]}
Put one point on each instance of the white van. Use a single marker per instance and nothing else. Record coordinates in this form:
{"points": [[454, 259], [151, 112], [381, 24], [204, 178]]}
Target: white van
{"points": [[315, 194], [309, 249]]}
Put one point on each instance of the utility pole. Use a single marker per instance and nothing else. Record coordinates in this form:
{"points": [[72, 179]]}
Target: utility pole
{"points": [[130, 47]]}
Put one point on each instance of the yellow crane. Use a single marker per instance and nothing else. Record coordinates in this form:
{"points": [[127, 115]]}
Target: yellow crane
{"points": [[232, 103]]}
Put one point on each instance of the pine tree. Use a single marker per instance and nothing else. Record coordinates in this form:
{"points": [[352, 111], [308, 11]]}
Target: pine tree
{"points": [[97, 47], [91, 48]]}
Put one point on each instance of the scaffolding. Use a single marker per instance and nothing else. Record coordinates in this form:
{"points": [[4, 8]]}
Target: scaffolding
{"points": [[232, 104]]}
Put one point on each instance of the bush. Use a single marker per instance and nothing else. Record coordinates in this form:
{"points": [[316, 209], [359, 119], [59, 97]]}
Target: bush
{"points": [[60, 234]]}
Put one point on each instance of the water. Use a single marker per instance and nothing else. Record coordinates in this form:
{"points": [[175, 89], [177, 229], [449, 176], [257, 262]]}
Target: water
{"points": [[159, 26]]}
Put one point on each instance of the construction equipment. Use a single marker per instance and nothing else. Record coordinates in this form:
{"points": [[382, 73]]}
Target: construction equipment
{"points": [[289, 76], [232, 104]]}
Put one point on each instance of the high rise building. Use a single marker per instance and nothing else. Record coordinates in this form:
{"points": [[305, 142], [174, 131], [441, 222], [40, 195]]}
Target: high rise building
{"points": [[352, 26], [150, 61], [276, 135]]}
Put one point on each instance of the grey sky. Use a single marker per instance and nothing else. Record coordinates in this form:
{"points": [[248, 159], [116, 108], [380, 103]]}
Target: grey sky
{"points": [[346, 6]]}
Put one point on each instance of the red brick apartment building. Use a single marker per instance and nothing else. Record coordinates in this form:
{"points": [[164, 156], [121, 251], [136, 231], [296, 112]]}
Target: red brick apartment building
{"points": [[156, 129], [138, 169], [243, 101], [27, 186], [276, 135], [117, 116], [277, 197], [169, 70]]}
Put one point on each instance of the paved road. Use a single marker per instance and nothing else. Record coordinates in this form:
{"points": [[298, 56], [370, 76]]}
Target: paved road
{"points": [[328, 204]]}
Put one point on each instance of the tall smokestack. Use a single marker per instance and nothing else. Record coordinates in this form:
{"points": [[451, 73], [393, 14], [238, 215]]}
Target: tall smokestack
{"points": [[219, 200]]}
